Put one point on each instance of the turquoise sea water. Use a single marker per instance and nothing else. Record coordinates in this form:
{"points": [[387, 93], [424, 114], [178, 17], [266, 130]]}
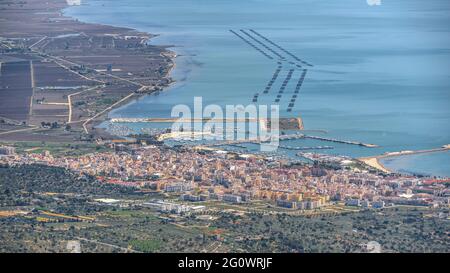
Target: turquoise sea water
{"points": [[381, 73], [427, 166]]}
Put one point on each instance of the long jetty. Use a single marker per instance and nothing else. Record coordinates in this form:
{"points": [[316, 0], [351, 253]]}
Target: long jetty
{"points": [[303, 148], [282, 138], [402, 153], [367, 145], [171, 120], [299, 136], [297, 148]]}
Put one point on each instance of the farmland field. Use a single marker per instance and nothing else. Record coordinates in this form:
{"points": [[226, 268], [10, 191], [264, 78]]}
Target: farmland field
{"points": [[15, 90]]}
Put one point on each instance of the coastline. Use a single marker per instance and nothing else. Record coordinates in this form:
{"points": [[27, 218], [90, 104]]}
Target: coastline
{"points": [[375, 161], [129, 100], [44, 34], [168, 53]]}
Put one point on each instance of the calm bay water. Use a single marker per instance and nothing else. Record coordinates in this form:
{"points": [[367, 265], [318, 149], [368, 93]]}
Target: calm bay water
{"points": [[381, 73]]}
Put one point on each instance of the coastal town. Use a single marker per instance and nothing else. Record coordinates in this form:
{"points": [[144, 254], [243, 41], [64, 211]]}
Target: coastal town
{"points": [[155, 198], [197, 175], [74, 178]]}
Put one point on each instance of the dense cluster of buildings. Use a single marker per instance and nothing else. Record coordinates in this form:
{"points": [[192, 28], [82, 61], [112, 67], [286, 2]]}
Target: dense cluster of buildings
{"points": [[199, 176]]}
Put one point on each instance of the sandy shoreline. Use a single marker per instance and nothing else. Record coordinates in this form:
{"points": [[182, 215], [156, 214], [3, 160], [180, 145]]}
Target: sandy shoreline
{"points": [[375, 163]]}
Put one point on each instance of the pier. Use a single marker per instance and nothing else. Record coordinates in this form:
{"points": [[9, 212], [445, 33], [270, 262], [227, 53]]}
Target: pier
{"points": [[296, 148], [303, 148], [290, 137], [401, 153], [238, 143], [299, 136], [172, 120], [367, 145], [284, 123]]}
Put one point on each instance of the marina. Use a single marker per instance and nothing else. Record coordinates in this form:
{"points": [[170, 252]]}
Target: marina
{"points": [[280, 138]]}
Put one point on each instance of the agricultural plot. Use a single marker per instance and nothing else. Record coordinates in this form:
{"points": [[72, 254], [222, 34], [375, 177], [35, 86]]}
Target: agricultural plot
{"points": [[50, 75], [15, 90]]}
